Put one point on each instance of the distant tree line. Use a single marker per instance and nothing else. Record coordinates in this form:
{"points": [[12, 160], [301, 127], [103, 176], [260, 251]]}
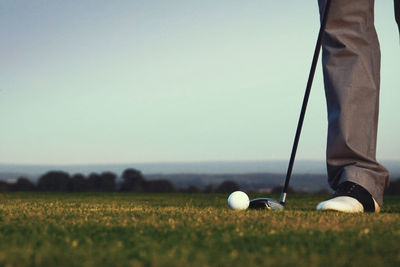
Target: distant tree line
{"points": [[394, 187], [132, 181]]}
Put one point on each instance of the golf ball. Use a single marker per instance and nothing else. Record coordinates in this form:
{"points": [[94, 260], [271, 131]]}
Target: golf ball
{"points": [[238, 200]]}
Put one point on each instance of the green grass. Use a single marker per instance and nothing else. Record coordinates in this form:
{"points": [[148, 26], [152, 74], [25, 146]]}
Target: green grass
{"points": [[38, 229]]}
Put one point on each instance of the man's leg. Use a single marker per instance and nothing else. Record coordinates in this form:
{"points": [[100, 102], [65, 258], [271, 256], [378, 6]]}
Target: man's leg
{"points": [[351, 67]]}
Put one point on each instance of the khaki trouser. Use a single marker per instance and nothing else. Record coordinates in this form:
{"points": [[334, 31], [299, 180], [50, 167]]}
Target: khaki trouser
{"points": [[351, 66]]}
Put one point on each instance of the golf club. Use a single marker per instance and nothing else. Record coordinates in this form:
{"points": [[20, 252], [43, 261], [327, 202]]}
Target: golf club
{"points": [[270, 204]]}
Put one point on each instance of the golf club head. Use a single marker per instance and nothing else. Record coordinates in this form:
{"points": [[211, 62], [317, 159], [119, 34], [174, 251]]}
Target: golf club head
{"points": [[265, 203]]}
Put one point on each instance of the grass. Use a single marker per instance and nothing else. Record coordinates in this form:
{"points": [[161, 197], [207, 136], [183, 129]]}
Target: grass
{"points": [[39, 229]]}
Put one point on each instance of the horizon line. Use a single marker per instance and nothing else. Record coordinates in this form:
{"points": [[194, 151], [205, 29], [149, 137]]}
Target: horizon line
{"points": [[167, 162]]}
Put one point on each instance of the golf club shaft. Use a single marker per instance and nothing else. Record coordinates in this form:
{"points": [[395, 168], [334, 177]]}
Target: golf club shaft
{"points": [[305, 101]]}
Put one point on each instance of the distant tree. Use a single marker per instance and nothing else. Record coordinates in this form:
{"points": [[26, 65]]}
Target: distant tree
{"points": [[393, 188], [278, 190], [132, 180], [94, 182], [208, 189], [108, 181], [104, 182], [23, 184], [192, 189], [78, 183], [227, 187], [159, 186], [54, 181], [323, 191], [4, 186]]}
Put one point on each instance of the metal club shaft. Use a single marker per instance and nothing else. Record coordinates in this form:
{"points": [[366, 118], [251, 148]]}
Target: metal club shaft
{"points": [[305, 101]]}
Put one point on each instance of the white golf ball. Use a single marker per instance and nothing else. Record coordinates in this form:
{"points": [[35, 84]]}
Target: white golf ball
{"points": [[238, 200]]}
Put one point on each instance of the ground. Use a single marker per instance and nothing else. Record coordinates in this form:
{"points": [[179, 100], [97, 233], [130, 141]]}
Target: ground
{"points": [[113, 229]]}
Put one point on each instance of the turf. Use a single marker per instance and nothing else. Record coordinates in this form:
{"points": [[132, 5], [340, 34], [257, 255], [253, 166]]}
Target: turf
{"points": [[38, 229]]}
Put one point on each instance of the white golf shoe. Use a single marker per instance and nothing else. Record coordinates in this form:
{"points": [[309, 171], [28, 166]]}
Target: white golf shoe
{"points": [[351, 198]]}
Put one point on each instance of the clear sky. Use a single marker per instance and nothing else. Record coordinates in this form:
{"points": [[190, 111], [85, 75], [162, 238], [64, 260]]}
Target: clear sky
{"points": [[148, 81]]}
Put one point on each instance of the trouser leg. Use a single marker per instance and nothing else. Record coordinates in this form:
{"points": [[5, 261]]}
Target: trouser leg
{"points": [[351, 67]]}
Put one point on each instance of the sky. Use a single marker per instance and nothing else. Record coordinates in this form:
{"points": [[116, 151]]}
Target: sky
{"points": [[94, 81]]}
